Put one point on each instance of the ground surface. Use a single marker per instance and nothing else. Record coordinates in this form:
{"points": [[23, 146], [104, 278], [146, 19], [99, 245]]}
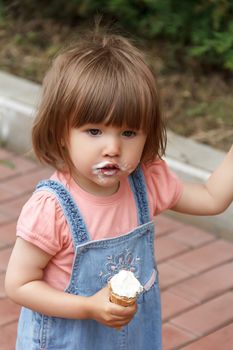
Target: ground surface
{"points": [[197, 102]]}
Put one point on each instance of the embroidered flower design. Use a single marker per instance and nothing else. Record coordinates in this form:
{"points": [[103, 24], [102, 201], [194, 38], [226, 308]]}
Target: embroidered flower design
{"points": [[122, 261]]}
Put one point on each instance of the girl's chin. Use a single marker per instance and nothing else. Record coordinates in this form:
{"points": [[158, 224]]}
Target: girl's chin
{"points": [[108, 182]]}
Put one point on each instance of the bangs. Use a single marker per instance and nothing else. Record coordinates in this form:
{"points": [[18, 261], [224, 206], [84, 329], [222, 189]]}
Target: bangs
{"points": [[114, 93]]}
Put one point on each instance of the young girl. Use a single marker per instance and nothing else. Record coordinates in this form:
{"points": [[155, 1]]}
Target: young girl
{"points": [[99, 125]]}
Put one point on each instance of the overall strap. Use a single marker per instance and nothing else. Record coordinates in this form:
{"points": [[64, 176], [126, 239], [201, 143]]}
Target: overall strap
{"points": [[138, 186], [72, 214]]}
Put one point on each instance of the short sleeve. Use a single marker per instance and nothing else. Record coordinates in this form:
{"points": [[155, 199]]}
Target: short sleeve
{"points": [[164, 187], [42, 223]]}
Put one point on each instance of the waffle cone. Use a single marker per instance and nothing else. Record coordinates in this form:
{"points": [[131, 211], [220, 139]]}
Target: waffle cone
{"points": [[119, 300]]}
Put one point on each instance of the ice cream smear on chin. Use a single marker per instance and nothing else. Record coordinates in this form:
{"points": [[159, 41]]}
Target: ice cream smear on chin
{"points": [[125, 284]]}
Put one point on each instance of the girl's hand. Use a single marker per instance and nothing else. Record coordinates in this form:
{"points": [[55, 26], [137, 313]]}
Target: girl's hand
{"points": [[107, 313]]}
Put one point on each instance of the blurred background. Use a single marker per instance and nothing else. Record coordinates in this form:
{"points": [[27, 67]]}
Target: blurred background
{"points": [[189, 45]]}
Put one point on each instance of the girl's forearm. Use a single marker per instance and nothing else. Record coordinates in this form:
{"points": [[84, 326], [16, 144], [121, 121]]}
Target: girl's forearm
{"points": [[212, 197], [40, 297], [220, 183]]}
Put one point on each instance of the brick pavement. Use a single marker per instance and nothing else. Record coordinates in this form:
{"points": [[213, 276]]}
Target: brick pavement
{"points": [[195, 268]]}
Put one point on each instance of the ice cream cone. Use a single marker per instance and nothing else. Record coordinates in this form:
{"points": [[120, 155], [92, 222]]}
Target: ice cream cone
{"points": [[124, 288], [119, 300]]}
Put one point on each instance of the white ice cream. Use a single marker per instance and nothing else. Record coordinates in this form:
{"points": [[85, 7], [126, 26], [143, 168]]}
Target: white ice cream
{"points": [[125, 284]]}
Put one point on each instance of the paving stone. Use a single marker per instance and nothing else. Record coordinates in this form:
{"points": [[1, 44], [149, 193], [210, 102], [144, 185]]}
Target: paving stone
{"points": [[192, 236], [9, 311], [10, 210], [24, 183], [4, 154], [8, 336], [169, 275], [207, 285], [207, 317], [206, 257], [4, 218], [174, 337], [2, 290], [173, 305], [166, 248], [4, 258], [15, 166], [166, 225], [219, 340], [5, 192], [7, 234]]}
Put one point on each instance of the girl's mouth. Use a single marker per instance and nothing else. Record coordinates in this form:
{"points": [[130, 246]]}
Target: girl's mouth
{"points": [[106, 168]]}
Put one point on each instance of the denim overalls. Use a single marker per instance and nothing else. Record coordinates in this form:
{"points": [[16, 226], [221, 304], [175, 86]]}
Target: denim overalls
{"points": [[94, 263]]}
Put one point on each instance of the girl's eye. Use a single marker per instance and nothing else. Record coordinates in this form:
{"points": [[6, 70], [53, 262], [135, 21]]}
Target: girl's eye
{"points": [[94, 132], [129, 133]]}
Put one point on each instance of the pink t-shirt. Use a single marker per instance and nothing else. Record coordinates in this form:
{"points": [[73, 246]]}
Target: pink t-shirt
{"points": [[43, 224]]}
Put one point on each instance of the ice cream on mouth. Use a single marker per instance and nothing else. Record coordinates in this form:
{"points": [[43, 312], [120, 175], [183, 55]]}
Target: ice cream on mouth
{"points": [[106, 168], [124, 288]]}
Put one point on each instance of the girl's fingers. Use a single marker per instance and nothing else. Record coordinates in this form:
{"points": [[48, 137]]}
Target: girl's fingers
{"points": [[123, 311], [116, 320], [120, 324]]}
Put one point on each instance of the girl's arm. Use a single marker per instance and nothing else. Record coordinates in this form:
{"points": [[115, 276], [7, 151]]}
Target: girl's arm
{"points": [[210, 198], [24, 285]]}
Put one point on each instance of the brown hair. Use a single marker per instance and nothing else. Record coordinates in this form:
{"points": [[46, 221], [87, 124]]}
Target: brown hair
{"points": [[103, 79]]}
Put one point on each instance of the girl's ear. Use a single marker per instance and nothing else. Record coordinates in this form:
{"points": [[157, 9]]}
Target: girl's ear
{"points": [[62, 143]]}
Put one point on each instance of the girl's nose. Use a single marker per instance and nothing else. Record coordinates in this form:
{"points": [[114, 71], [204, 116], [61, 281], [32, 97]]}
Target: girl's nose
{"points": [[112, 147]]}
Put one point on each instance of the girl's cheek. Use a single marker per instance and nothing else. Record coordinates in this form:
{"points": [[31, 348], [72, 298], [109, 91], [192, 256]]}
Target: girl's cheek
{"points": [[127, 168]]}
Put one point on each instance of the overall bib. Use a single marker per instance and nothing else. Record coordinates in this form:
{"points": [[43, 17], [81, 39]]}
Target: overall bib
{"points": [[95, 262]]}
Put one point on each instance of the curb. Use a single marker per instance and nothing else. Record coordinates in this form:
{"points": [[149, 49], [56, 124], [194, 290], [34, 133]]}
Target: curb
{"points": [[192, 161]]}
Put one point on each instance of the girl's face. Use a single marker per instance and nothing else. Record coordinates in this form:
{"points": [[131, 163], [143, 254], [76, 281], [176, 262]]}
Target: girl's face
{"points": [[103, 154]]}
